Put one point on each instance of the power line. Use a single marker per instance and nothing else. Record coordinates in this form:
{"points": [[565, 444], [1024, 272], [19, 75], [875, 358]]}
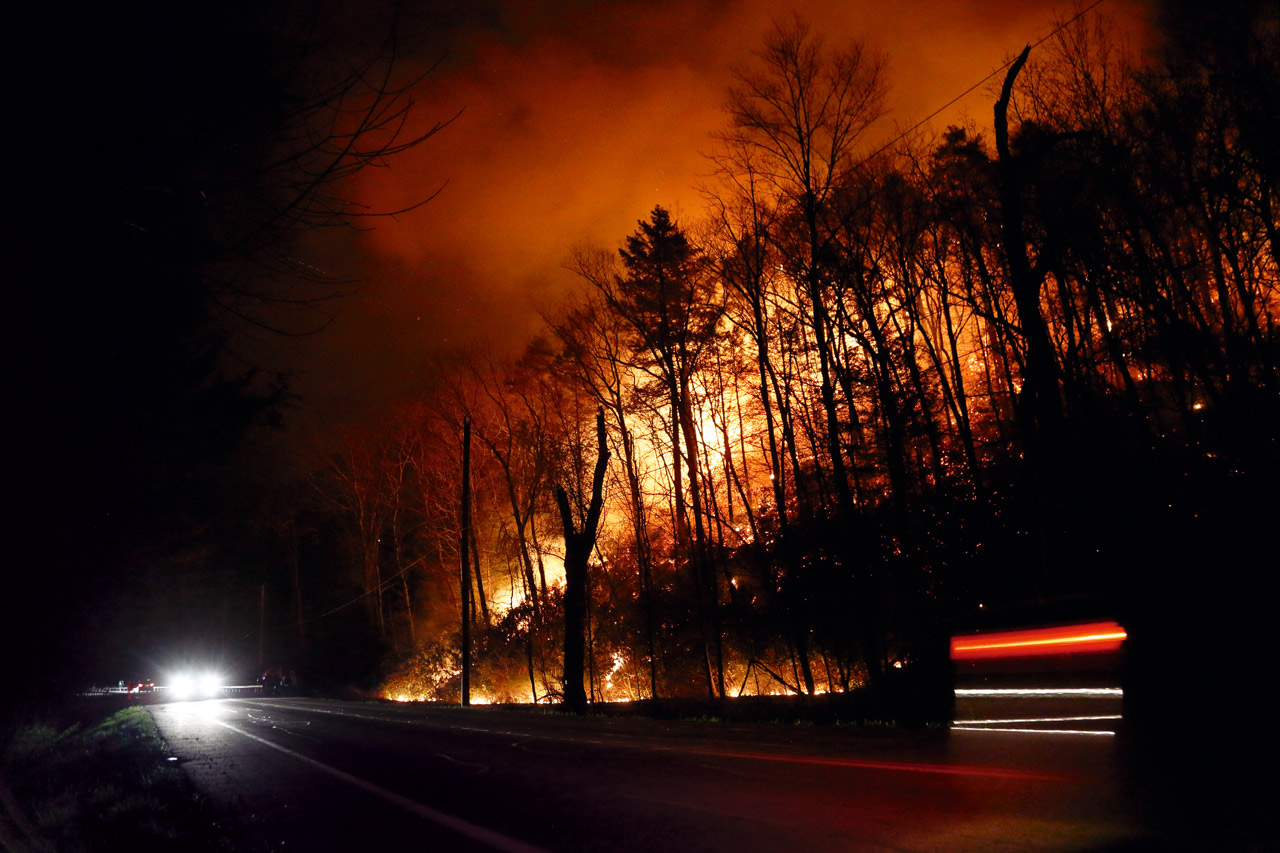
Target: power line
{"points": [[1086, 10], [381, 587]]}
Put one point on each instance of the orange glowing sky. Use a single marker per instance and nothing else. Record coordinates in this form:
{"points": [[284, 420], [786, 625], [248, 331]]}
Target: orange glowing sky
{"points": [[577, 118]]}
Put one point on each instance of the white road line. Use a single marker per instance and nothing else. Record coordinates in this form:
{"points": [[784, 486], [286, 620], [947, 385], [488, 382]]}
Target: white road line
{"points": [[496, 840]]}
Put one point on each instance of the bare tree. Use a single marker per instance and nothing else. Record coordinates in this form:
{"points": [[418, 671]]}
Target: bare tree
{"points": [[357, 490], [672, 305], [804, 109], [280, 111], [579, 542], [593, 356]]}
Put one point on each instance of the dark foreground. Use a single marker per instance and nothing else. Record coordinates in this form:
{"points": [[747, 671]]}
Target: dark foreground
{"points": [[322, 775]]}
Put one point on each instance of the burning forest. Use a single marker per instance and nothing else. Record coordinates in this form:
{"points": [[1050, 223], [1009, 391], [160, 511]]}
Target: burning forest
{"points": [[859, 393]]}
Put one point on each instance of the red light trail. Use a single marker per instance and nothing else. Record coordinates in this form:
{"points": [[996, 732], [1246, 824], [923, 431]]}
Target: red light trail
{"points": [[1089, 638]]}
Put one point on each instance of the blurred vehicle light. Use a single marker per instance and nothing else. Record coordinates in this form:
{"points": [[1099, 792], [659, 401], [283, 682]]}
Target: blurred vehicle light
{"points": [[1088, 638]]}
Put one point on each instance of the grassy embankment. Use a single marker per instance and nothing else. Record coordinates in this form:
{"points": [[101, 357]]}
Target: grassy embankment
{"points": [[96, 779]]}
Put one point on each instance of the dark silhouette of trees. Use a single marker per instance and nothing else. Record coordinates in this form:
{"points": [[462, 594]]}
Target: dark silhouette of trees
{"points": [[592, 340], [671, 307], [803, 112], [358, 493]]}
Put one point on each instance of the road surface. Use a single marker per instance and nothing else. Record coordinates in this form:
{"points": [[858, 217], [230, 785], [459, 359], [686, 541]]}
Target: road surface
{"points": [[305, 774]]}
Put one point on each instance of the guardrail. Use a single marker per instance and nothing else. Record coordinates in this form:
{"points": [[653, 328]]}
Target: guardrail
{"points": [[161, 689], [243, 690]]}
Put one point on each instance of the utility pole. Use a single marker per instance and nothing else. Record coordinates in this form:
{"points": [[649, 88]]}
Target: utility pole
{"points": [[465, 578], [262, 623]]}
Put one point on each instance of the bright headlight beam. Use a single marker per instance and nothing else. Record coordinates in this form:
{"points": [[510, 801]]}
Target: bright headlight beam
{"points": [[192, 685], [181, 686]]}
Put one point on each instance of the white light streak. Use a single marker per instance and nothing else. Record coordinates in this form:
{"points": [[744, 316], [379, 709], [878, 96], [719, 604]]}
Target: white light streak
{"points": [[1040, 720], [1040, 691], [1032, 731]]}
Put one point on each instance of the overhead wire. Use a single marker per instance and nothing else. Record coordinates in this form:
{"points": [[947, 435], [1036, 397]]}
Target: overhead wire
{"points": [[1062, 26]]}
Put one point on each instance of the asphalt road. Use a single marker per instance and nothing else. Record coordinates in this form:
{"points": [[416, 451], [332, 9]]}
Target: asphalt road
{"points": [[300, 774]]}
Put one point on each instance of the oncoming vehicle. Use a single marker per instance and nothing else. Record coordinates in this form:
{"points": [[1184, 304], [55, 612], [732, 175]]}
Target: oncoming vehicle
{"points": [[204, 685]]}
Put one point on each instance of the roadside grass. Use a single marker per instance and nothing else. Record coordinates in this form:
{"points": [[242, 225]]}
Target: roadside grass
{"points": [[104, 783]]}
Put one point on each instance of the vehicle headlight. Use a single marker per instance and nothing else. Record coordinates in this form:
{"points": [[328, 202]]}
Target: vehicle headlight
{"points": [[192, 685], [182, 686]]}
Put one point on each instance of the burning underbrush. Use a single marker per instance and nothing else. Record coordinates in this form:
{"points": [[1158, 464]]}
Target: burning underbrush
{"points": [[509, 666], [505, 670]]}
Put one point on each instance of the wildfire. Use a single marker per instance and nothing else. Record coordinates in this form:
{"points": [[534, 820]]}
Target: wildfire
{"points": [[619, 661], [507, 590]]}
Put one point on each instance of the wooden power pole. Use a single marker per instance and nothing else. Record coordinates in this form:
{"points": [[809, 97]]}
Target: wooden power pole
{"points": [[465, 594]]}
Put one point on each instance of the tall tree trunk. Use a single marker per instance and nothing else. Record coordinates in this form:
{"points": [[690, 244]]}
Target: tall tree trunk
{"points": [[643, 554], [481, 598], [703, 570], [1041, 407], [578, 546]]}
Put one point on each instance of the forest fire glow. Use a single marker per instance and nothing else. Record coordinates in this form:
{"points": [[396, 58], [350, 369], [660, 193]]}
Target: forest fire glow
{"points": [[773, 382]]}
